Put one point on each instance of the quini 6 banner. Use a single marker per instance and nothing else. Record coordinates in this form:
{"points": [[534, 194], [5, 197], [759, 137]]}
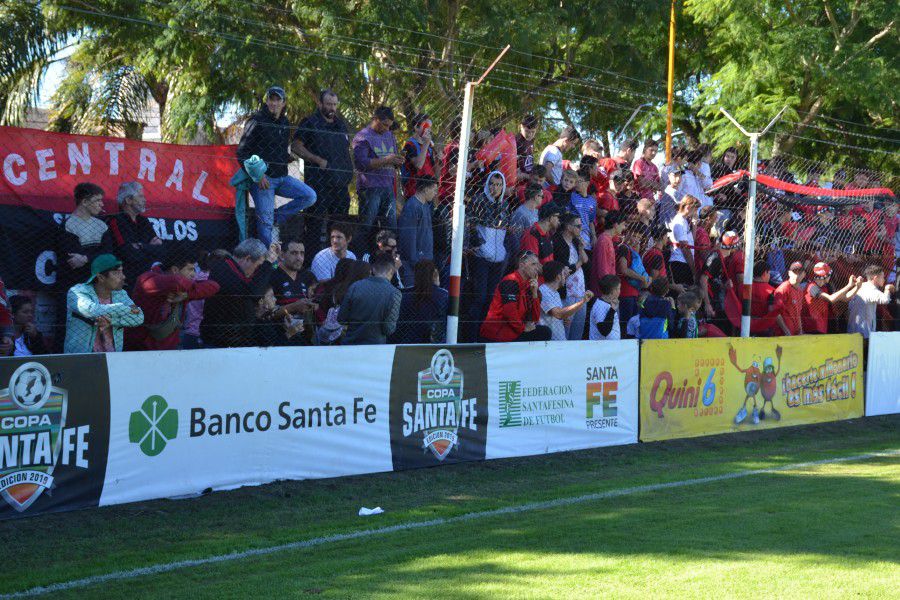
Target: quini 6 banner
{"points": [[188, 195], [702, 387]]}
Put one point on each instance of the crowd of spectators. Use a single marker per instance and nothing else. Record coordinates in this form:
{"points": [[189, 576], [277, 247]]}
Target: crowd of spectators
{"points": [[575, 245]]}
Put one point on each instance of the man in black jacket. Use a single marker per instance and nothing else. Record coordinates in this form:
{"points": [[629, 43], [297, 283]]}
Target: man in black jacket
{"points": [[267, 135], [130, 235], [323, 142], [229, 316]]}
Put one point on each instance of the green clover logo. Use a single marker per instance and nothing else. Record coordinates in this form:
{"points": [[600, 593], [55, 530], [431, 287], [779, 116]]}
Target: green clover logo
{"points": [[153, 425]]}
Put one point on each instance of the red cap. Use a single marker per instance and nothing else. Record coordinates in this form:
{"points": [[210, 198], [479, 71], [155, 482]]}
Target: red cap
{"points": [[730, 239], [821, 269], [796, 266]]}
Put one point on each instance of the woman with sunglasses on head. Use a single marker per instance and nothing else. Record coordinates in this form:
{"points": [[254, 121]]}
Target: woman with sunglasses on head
{"points": [[817, 310]]}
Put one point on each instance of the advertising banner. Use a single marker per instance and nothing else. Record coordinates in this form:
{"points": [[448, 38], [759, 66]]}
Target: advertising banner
{"points": [[220, 419], [439, 405], [188, 195], [720, 385], [883, 393], [54, 429], [557, 396]]}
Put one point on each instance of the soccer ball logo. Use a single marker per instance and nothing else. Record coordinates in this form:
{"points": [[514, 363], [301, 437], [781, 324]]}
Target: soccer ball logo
{"points": [[29, 387], [442, 366]]}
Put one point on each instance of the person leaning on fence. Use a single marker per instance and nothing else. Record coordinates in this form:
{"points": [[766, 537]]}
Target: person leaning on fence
{"points": [[267, 135], [130, 235], [163, 293], [416, 239], [243, 278], [371, 307], [77, 243], [99, 310], [863, 308], [516, 306], [818, 298], [340, 235], [323, 142], [376, 159]]}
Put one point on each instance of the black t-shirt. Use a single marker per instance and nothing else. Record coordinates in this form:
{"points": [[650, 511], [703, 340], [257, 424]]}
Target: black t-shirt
{"points": [[331, 141], [289, 290], [524, 153]]}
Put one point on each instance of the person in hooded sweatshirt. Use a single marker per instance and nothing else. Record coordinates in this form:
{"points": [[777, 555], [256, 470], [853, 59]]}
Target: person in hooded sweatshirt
{"points": [[267, 135], [488, 218]]}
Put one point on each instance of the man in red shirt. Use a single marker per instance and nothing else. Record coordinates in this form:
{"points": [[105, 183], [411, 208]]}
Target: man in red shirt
{"points": [[622, 159], [516, 307], [765, 308], [790, 294], [539, 239], [817, 300], [646, 174]]}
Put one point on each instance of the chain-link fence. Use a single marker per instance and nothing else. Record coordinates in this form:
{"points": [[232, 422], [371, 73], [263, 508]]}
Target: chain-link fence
{"points": [[175, 249]]}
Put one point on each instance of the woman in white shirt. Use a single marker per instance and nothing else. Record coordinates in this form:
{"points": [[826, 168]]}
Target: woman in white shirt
{"points": [[681, 262]]}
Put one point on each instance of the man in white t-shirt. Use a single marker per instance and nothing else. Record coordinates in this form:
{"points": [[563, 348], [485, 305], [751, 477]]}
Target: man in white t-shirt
{"points": [[863, 308], [326, 260], [553, 313], [604, 322], [552, 156], [681, 262]]}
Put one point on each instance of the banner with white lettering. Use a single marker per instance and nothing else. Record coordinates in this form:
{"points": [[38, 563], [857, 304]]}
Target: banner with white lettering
{"points": [[188, 195], [220, 419], [882, 389], [557, 396], [54, 430]]}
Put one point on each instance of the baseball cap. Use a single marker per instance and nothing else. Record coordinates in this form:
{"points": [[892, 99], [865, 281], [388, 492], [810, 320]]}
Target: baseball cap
{"points": [[796, 266], [821, 269], [102, 264], [730, 239], [276, 90]]}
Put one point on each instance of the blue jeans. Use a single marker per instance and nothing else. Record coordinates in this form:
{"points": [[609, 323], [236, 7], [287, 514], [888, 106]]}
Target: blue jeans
{"points": [[301, 195], [576, 327], [374, 202]]}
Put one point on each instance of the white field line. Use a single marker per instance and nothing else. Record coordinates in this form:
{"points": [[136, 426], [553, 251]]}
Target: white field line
{"points": [[368, 533]]}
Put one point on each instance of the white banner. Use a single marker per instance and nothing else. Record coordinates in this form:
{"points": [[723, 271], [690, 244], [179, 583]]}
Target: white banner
{"points": [[184, 422], [883, 381], [557, 396]]}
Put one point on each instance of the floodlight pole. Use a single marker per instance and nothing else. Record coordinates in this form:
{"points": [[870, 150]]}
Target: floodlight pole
{"points": [[459, 205], [750, 219]]}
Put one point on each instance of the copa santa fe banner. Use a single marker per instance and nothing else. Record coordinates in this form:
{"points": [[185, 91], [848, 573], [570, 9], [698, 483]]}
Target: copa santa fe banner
{"points": [[188, 195], [99, 430], [720, 385], [883, 393]]}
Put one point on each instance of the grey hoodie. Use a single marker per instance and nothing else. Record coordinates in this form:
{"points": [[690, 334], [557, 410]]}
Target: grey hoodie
{"points": [[491, 220]]}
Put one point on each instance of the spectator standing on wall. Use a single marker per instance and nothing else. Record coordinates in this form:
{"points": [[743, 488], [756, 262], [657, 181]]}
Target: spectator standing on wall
{"points": [[78, 242], [552, 156], [371, 307], [99, 310], [324, 262], [418, 154], [162, 293], [376, 159], [516, 306], [646, 174], [130, 235], [267, 135], [528, 128], [323, 142], [243, 278], [415, 225]]}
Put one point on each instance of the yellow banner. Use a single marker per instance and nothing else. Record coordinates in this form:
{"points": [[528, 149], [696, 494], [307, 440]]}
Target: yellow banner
{"points": [[719, 385]]}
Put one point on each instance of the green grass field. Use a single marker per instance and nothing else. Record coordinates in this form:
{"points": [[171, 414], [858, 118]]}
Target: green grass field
{"points": [[827, 530]]}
